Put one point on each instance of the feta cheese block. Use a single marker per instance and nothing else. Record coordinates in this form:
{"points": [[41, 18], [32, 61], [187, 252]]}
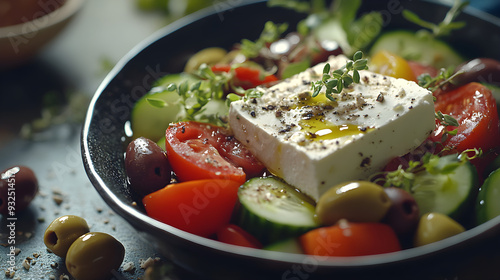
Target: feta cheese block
{"points": [[316, 143]]}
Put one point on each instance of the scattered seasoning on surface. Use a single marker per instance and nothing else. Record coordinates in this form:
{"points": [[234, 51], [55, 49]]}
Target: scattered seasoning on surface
{"points": [[128, 267], [58, 199], [26, 264], [365, 162], [380, 97]]}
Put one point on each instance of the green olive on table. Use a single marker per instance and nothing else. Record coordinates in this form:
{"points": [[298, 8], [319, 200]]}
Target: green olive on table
{"points": [[62, 232], [356, 201], [94, 256], [433, 227]]}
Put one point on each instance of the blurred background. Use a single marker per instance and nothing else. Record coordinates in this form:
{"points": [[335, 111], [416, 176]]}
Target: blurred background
{"points": [[44, 98]]}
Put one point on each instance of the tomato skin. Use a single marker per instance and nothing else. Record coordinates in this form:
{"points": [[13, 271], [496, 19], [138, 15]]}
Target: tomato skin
{"points": [[201, 207], [419, 69], [246, 77], [235, 235], [474, 107], [350, 239], [202, 151], [390, 64]]}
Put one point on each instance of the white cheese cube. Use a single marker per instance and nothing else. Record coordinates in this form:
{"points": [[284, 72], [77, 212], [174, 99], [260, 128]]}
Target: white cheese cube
{"points": [[315, 143]]}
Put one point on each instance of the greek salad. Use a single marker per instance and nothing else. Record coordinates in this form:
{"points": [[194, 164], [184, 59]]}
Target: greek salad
{"points": [[336, 139]]}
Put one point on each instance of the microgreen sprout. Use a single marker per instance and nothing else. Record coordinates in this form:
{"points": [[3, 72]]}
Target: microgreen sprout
{"points": [[444, 27], [336, 81]]}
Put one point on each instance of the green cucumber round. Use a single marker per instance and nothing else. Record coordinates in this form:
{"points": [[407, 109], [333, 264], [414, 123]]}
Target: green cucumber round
{"points": [[447, 194], [290, 245], [150, 121], [271, 210], [420, 48], [488, 199]]}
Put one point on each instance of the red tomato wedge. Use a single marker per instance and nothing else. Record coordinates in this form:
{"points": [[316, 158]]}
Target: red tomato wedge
{"points": [[202, 151], [419, 69], [201, 207], [235, 235], [246, 77], [474, 107], [350, 239]]}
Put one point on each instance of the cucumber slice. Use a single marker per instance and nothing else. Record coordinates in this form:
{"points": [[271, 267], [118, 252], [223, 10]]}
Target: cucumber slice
{"points": [[423, 49], [271, 210], [291, 245], [488, 199], [448, 193], [150, 121]]}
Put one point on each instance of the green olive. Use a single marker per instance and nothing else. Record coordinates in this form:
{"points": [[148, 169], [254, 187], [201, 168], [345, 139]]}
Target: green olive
{"points": [[61, 233], [94, 256], [357, 201], [433, 227], [208, 56]]}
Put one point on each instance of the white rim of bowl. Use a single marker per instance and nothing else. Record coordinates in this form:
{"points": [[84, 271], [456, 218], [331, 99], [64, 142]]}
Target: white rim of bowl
{"points": [[68, 9]]}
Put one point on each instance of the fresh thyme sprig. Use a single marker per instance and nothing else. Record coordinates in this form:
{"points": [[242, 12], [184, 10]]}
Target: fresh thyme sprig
{"points": [[404, 177], [336, 81], [444, 77], [195, 96], [446, 26], [447, 120], [271, 33]]}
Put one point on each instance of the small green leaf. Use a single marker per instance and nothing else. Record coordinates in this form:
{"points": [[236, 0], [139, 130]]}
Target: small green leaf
{"points": [[451, 121], [157, 103], [196, 86], [357, 55], [326, 69], [361, 64], [172, 87], [355, 76]]}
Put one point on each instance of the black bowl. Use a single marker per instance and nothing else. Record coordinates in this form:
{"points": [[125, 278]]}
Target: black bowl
{"points": [[104, 138]]}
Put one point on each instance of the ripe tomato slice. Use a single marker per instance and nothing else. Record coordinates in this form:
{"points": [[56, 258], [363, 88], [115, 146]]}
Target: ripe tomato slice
{"points": [[474, 107], [419, 69], [350, 239], [246, 77], [203, 151], [201, 207], [233, 234]]}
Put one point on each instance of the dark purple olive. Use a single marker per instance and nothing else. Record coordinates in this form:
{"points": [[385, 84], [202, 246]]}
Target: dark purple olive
{"points": [[147, 166], [18, 187], [482, 70], [403, 215]]}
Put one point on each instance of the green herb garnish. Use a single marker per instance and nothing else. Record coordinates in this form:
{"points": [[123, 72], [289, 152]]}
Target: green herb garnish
{"points": [[444, 77], [194, 97], [336, 81], [271, 33], [446, 26], [430, 163], [338, 22], [447, 120]]}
